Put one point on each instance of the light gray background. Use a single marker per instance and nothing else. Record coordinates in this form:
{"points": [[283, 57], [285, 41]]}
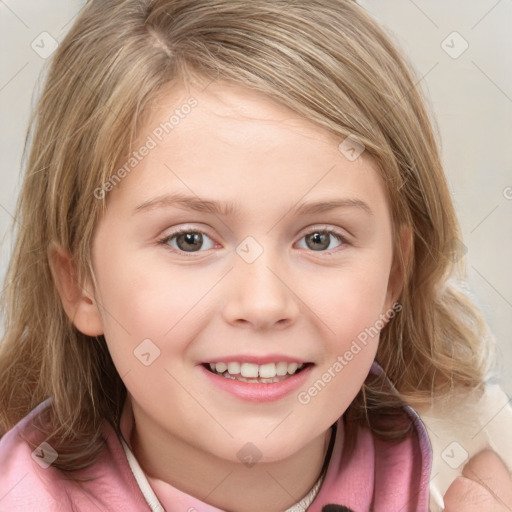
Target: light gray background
{"points": [[470, 95]]}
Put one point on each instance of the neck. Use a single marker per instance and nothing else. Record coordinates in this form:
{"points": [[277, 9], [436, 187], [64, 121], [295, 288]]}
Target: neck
{"points": [[227, 485]]}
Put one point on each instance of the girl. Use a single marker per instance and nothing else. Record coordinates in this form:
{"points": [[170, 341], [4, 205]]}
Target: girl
{"points": [[230, 285]]}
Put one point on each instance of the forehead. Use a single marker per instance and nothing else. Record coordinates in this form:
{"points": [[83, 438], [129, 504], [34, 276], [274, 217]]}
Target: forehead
{"points": [[233, 142]]}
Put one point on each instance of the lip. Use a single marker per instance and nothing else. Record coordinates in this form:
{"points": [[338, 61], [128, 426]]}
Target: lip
{"points": [[259, 360], [257, 392]]}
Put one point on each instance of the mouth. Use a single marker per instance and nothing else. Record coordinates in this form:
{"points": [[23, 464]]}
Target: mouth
{"points": [[253, 373]]}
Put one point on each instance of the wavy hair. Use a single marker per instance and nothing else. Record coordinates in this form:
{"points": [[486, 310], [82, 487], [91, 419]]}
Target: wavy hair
{"points": [[328, 61]]}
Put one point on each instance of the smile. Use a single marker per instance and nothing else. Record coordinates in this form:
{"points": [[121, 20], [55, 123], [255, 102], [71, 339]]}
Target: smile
{"points": [[249, 381], [250, 372]]}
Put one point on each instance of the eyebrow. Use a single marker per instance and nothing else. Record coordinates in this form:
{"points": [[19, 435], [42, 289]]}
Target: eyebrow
{"points": [[232, 209]]}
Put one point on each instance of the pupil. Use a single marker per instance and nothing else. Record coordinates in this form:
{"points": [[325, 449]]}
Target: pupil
{"points": [[321, 239], [194, 241]]}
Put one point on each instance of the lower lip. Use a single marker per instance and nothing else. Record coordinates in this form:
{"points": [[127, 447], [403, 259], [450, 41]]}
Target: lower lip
{"points": [[258, 392]]}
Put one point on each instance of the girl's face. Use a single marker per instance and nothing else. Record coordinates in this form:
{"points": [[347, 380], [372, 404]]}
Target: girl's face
{"points": [[285, 256]]}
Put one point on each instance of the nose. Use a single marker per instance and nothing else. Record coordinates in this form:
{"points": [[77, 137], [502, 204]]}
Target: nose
{"points": [[260, 296]]}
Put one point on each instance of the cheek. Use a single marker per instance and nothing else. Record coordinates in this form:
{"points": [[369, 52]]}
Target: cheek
{"points": [[350, 308], [351, 300], [141, 301]]}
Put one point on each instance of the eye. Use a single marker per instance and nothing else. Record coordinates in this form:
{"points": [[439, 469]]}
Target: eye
{"points": [[187, 240], [190, 241], [320, 240]]}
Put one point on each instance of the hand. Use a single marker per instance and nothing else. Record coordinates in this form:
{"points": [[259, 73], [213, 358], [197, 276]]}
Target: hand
{"points": [[486, 486]]}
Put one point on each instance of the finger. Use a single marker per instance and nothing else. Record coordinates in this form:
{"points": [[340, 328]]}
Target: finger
{"points": [[466, 495], [490, 472]]}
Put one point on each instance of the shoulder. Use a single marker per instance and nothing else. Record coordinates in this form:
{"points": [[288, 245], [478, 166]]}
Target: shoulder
{"points": [[25, 479], [29, 481], [369, 472], [459, 427]]}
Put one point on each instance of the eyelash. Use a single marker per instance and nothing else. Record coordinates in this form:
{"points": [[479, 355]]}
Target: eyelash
{"points": [[165, 240]]}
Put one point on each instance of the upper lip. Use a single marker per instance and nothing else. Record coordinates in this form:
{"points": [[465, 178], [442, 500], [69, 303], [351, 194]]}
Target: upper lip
{"points": [[259, 360]]}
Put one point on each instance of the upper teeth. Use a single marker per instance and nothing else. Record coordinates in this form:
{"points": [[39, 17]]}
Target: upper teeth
{"points": [[265, 371]]}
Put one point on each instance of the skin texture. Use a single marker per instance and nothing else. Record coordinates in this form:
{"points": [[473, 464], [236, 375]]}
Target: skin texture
{"points": [[485, 486], [295, 299]]}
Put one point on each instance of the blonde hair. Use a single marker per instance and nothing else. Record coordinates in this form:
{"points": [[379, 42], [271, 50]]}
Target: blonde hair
{"points": [[328, 61]]}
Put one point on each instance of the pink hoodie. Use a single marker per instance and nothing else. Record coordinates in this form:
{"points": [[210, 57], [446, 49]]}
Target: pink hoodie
{"points": [[379, 476]]}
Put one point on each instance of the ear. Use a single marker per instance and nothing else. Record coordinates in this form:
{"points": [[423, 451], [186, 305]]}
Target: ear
{"points": [[397, 273], [78, 301]]}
